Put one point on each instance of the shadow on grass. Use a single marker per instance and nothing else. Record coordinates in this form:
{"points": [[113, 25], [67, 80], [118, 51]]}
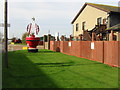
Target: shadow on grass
{"points": [[46, 51], [64, 64], [22, 73]]}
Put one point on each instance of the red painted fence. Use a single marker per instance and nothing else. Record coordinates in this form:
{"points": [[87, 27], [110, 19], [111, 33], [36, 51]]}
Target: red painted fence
{"points": [[107, 52]]}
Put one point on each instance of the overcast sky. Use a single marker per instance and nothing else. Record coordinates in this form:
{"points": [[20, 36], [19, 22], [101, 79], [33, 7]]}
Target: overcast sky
{"points": [[53, 15]]}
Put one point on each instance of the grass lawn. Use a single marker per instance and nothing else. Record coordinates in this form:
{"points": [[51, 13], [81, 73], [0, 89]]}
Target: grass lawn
{"points": [[48, 69], [20, 44]]}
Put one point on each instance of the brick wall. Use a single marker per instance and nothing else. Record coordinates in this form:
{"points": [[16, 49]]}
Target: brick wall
{"points": [[107, 52]]}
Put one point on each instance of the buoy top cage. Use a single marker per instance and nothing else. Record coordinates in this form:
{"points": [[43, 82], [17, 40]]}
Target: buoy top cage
{"points": [[33, 28]]}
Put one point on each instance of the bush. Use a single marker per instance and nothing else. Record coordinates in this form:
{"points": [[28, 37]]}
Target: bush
{"points": [[24, 37]]}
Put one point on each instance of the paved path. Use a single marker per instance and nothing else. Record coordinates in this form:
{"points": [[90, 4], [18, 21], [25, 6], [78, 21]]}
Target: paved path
{"points": [[19, 47]]}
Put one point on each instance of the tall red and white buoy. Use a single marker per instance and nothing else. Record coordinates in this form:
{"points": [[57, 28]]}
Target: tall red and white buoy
{"points": [[32, 40]]}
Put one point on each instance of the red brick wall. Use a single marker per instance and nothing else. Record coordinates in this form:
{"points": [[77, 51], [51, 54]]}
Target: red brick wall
{"points": [[111, 53], [52, 45], [75, 48], [85, 49], [66, 47], [97, 53], [107, 52], [61, 46]]}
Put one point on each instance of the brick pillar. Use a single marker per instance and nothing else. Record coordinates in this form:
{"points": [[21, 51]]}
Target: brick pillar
{"points": [[107, 36], [81, 37], [53, 38], [44, 40], [118, 36], [71, 38], [76, 38], [61, 46], [111, 35], [62, 38], [57, 38], [48, 39], [93, 36]]}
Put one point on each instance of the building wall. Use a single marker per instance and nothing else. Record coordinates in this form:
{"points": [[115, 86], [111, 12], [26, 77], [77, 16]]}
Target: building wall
{"points": [[90, 15]]}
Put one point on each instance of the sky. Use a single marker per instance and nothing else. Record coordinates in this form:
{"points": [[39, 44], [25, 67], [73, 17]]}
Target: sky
{"points": [[51, 15]]}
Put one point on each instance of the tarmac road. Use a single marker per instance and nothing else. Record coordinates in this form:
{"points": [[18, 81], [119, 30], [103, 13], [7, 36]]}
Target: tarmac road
{"points": [[19, 47]]}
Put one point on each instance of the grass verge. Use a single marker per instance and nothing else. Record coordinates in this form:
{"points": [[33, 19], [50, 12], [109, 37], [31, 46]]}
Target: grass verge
{"points": [[48, 69]]}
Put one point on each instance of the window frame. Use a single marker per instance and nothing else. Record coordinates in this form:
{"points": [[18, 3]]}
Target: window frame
{"points": [[83, 25], [99, 21], [77, 26], [105, 21]]}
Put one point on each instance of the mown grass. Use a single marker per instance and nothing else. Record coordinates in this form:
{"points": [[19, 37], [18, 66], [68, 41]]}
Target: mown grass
{"points": [[20, 44], [48, 69]]}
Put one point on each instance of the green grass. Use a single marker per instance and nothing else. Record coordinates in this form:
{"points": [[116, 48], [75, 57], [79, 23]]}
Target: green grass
{"points": [[48, 69], [20, 44]]}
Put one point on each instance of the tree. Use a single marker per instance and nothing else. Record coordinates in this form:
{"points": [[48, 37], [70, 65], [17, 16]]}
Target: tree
{"points": [[24, 37]]}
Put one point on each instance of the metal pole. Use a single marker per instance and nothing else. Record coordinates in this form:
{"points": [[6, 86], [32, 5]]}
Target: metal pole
{"points": [[5, 35]]}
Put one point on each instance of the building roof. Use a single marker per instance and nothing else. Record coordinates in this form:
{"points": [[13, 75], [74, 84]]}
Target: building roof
{"points": [[115, 27], [106, 8]]}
